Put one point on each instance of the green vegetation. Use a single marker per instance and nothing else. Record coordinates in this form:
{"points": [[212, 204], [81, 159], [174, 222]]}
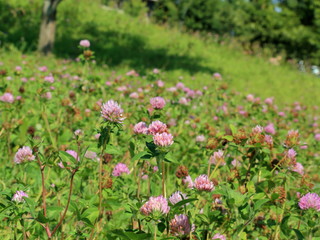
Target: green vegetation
{"points": [[286, 27], [123, 42], [98, 143]]}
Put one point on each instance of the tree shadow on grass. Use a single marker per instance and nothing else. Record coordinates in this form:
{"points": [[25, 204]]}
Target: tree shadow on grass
{"points": [[115, 48]]}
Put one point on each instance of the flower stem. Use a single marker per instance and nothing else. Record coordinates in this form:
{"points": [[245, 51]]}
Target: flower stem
{"points": [[68, 202], [215, 169], [44, 194], [164, 191], [45, 118], [155, 231]]}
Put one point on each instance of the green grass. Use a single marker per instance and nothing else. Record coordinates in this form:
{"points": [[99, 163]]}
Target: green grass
{"points": [[122, 43]]}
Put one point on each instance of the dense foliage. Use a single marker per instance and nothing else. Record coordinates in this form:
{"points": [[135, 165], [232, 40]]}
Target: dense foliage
{"points": [[78, 165], [290, 28]]}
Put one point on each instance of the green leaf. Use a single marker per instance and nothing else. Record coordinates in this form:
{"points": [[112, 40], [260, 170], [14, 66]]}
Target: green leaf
{"points": [[298, 234], [66, 157], [259, 196], [41, 218], [185, 201], [161, 227], [237, 197], [141, 155], [54, 209], [284, 225], [112, 203], [228, 137], [31, 204], [131, 149], [274, 196], [87, 221], [112, 150], [258, 204], [251, 188], [91, 214], [170, 158], [203, 218], [131, 235], [233, 129]]}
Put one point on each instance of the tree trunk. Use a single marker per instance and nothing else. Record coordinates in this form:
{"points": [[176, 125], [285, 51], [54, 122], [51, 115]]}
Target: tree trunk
{"points": [[48, 26]]}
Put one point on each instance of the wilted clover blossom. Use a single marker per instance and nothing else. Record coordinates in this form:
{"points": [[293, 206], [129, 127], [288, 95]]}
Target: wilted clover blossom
{"points": [[217, 158], [112, 111], [257, 130], [155, 205], [24, 154], [180, 225], [310, 200], [18, 196]]}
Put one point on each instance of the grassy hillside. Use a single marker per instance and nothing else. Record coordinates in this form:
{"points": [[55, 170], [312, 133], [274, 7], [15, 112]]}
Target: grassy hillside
{"points": [[122, 43]]}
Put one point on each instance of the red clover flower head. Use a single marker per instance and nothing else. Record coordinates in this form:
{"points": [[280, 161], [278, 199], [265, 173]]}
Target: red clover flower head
{"points": [[141, 128], [217, 158], [84, 43], [157, 127], [157, 102], [188, 181], [163, 139], [180, 225], [270, 129], [291, 154], [7, 97], [200, 138], [219, 236], [203, 183], [310, 200], [18, 196], [155, 205], [24, 154], [298, 168], [120, 169], [112, 111], [257, 130], [177, 197]]}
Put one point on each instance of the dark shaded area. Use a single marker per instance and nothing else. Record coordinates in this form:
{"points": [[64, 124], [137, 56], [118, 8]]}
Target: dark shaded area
{"points": [[115, 48], [21, 28]]}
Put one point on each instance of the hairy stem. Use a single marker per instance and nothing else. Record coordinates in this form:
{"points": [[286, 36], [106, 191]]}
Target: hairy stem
{"points": [[68, 202], [44, 196], [164, 191], [45, 118]]}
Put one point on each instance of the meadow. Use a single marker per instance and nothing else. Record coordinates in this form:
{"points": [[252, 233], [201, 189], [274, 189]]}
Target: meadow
{"points": [[145, 132], [123, 43]]}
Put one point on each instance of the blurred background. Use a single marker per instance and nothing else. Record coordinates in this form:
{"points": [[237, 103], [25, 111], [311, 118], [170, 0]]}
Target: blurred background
{"points": [[253, 43]]}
